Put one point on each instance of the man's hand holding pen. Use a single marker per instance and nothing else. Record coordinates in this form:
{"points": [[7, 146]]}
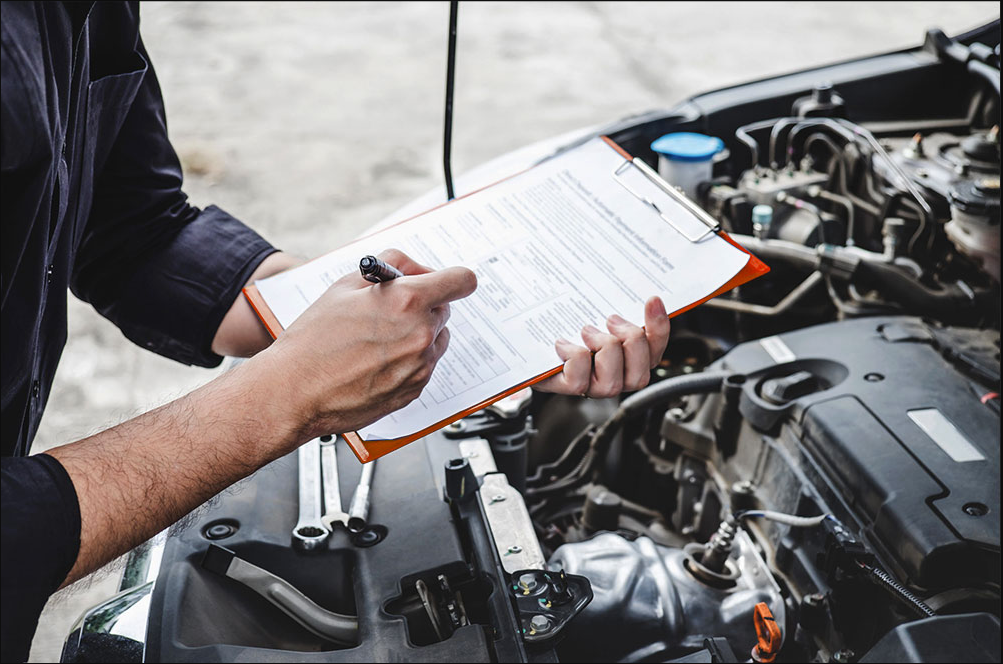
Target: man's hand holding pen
{"points": [[365, 350]]}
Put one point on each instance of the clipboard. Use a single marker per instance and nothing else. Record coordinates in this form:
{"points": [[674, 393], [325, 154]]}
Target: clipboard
{"points": [[371, 450]]}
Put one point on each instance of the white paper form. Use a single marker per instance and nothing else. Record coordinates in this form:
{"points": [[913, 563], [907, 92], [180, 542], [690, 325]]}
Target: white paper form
{"points": [[555, 248]]}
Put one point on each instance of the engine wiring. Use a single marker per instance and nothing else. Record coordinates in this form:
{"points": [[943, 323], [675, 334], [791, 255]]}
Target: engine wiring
{"points": [[876, 574], [883, 578], [787, 519]]}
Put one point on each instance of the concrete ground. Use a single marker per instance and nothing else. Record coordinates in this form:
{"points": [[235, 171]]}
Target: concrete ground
{"points": [[313, 121]]}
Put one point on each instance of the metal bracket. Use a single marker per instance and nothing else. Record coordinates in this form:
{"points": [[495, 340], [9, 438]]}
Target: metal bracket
{"points": [[712, 225]]}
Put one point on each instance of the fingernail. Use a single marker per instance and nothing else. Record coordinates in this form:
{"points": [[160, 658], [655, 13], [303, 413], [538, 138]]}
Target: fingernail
{"points": [[591, 329], [564, 341], [617, 320], [659, 307]]}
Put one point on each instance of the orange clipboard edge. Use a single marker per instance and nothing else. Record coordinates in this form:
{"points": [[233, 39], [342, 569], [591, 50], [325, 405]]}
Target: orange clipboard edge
{"points": [[367, 451], [257, 303]]}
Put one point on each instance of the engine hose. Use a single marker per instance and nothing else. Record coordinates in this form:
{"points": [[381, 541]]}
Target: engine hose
{"points": [[898, 286], [883, 578], [704, 382], [678, 386], [803, 257], [891, 280], [787, 519]]}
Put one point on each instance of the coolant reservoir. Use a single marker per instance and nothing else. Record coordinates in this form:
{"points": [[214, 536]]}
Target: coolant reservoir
{"points": [[686, 159]]}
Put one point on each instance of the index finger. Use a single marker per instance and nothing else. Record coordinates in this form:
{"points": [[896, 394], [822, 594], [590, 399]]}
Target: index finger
{"points": [[402, 262], [445, 285]]}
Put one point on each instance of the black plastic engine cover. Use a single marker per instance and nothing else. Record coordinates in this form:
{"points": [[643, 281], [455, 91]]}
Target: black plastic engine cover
{"points": [[927, 500], [199, 616]]}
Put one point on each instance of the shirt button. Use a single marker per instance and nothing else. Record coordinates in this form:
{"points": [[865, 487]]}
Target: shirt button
{"points": [[35, 389], [48, 274]]}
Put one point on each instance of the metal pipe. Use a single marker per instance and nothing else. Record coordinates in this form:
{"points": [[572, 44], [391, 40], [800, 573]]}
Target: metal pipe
{"points": [[742, 134], [780, 307]]}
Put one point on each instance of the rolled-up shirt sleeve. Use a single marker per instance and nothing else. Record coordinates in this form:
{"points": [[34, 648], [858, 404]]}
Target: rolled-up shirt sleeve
{"points": [[165, 272], [41, 539]]}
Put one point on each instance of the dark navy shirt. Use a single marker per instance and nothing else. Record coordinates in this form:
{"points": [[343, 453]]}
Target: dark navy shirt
{"points": [[91, 200]]}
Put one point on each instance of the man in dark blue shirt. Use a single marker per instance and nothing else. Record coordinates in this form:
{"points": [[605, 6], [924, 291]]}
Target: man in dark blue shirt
{"points": [[92, 200]]}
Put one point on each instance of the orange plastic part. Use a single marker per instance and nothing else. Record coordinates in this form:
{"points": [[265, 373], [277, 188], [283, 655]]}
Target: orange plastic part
{"points": [[767, 633]]}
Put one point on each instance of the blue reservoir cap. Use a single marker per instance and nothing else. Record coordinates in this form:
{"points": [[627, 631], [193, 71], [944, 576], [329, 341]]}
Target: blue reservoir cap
{"points": [[688, 146], [762, 215]]}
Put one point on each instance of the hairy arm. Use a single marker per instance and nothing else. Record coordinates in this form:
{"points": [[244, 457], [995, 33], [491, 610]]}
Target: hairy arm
{"points": [[361, 351], [137, 478]]}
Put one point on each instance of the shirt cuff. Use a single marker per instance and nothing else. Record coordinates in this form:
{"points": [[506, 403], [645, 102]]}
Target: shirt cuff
{"points": [[40, 543], [179, 298]]}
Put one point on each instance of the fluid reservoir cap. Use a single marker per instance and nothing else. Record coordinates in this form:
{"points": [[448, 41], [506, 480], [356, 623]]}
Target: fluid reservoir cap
{"points": [[762, 215], [688, 146]]}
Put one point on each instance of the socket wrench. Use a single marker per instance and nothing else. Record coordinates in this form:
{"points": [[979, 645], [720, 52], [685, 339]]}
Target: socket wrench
{"points": [[332, 486], [310, 531], [358, 510]]}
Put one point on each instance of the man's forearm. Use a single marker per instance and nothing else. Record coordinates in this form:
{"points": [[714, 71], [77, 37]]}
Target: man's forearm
{"points": [[241, 334], [357, 354], [136, 479]]}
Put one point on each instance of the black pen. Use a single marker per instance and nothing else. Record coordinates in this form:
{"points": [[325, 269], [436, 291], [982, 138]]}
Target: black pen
{"points": [[376, 271]]}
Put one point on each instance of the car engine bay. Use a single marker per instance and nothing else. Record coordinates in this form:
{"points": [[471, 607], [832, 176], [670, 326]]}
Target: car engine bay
{"points": [[812, 474]]}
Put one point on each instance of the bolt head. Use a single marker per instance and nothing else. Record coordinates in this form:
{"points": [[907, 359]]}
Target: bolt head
{"points": [[842, 656], [976, 509], [219, 531], [815, 599], [540, 623], [497, 498], [528, 582], [515, 548]]}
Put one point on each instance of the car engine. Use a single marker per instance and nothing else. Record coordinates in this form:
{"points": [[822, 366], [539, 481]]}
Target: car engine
{"points": [[812, 474]]}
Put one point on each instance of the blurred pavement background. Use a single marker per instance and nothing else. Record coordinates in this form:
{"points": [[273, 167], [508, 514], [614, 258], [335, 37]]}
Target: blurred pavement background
{"points": [[312, 121]]}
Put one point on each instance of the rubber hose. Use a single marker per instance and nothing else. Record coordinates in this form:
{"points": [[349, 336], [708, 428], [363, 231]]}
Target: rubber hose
{"points": [[901, 287], [791, 252], [678, 386], [894, 282]]}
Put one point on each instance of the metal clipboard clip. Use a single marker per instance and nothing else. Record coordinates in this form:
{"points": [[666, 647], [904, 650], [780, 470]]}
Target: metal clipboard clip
{"points": [[712, 225]]}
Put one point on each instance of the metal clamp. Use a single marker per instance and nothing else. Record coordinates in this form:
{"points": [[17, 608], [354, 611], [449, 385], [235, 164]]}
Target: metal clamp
{"points": [[712, 225]]}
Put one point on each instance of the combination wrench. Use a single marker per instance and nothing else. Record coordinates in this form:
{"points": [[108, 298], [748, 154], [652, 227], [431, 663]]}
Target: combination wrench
{"points": [[358, 509], [332, 486], [310, 531]]}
